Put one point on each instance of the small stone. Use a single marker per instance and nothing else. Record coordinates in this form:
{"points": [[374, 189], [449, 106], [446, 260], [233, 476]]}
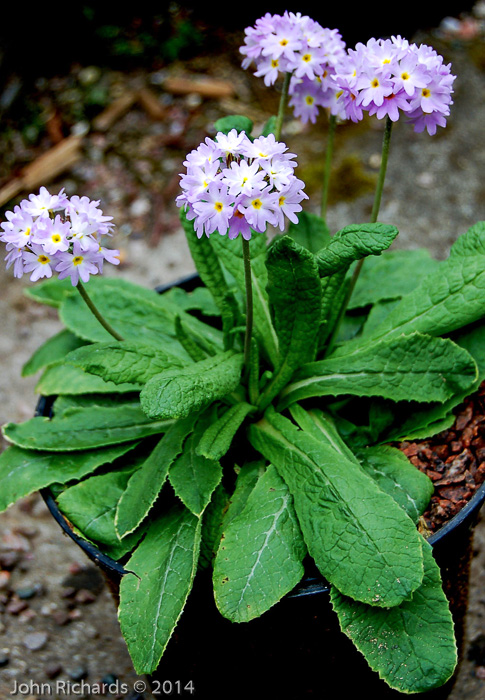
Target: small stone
{"points": [[68, 592], [27, 593], [480, 672], [61, 617], [15, 606], [75, 615], [35, 640], [84, 597], [9, 560], [53, 670], [4, 660], [4, 579], [77, 673]]}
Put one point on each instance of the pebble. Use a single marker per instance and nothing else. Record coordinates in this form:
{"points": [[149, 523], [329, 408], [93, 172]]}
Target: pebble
{"points": [[53, 670], [77, 673], [35, 640], [61, 617], [4, 660], [84, 597], [4, 579], [15, 606]]}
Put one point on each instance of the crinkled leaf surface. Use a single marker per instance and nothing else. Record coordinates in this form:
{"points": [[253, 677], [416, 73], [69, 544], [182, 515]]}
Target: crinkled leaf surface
{"points": [[145, 484], [260, 556], [411, 646], [124, 362], [175, 393], [62, 378], [84, 429], [217, 438], [360, 539], [153, 597], [24, 471], [416, 367], [53, 350]]}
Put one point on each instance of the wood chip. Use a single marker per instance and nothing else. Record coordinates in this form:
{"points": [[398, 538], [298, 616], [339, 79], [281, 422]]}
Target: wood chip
{"points": [[205, 87], [151, 104], [114, 111]]}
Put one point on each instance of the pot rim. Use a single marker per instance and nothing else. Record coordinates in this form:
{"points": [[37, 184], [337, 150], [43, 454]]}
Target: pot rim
{"points": [[310, 585]]}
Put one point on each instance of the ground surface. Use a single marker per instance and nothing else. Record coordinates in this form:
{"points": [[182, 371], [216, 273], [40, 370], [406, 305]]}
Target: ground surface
{"points": [[56, 622]]}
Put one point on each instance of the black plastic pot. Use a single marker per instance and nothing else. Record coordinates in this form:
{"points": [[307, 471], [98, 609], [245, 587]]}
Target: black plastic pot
{"points": [[296, 649]]}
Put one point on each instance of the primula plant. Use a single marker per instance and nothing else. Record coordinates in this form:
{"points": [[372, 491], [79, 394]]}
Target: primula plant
{"points": [[244, 429]]}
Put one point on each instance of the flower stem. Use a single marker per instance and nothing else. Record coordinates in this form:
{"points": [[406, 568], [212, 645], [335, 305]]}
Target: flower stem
{"points": [[328, 163], [374, 214], [249, 303], [282, 106], [95, 311]]}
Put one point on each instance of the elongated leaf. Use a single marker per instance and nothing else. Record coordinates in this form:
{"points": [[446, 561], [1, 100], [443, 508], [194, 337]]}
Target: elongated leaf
{"points": [[391, 276], [353, 243], [199, 299], [192, 476], [91, 506], [51, 292], [260, 557], [395, 474], [247, 477], [231, 257], [84, 429], [145, 484], [311, 231], [53, 350], [412, 645], [152, 600], [295, 294], [123, 362], [62, 378], [217, 439], [360, 539], [212, 526], [175, 393], [139, 315], [405, 368], [24, 471], [64, 403]]}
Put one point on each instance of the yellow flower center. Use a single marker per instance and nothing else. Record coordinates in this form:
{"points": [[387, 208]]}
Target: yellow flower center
{"points": [[218, 206], [27, 232], [307, 57], [284, 42], [43, 259], [405, 76], [375, 83], [426, 92], [309, 100], [274, 63], [77, 260], [257, 203], [281, 200], [56, 238]]}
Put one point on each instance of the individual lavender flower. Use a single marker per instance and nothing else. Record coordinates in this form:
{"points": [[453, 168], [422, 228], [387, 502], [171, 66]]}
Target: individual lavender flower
{"points": [[391, 77], [296, 44], [242, 189], [49, 233]]}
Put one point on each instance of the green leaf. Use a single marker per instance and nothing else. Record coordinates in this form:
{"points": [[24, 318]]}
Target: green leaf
{"points": [[51, 292], [212, 526], [91, 506], [470, 243], [192, 476], [217, 438], [248, 476], [62, 378], [175, 393], [395, 474], [270, 126], [234, 121], [146, 483], [260, 557], [53, 350], [199, 299], [152, 600], [24, 471], [138, 314], [404, 368], [84, 429], [311, 232], [123, 361], [391, 276], [353, 243], [231, 257], [295, 295], [360, 539], [411, 646]]}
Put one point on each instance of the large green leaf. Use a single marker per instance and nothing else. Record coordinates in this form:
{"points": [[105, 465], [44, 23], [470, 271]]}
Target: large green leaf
{"points": [[218, 437], [62, 378], [412, 645], [123, 361], [311, 231], [145, 484], [192, 476], [53, 350], [153, 597], [24, 471], [295, 295], [415, 367], [231, 256], [175, 393], [260, 557], [353, 243], [84, 429], [360, 539]]}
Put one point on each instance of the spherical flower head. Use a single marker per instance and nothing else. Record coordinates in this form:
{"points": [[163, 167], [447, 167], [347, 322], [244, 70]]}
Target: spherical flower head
{"points": [[240, 196], [49, 233], [391, 77]]}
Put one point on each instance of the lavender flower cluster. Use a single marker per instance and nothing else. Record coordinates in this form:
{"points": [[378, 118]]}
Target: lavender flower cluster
{"points": [[385, 77], [296, 44], [49, 233], [235, 185]]}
